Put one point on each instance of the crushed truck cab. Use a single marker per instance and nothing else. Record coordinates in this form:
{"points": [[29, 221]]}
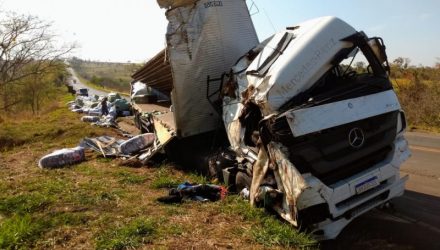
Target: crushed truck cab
{"points": [[330, 137], [290, 119]]}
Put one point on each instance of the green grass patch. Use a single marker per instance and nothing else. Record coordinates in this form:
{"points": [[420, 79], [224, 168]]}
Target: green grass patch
{"points": [[171, 230], [88, 170], [131, 235], [50, 187], [164, 179], [24, 203], [267, 229], [197, 178], [53, 129], [19, 231], [131, 179], [22, 230], [104, 160]]}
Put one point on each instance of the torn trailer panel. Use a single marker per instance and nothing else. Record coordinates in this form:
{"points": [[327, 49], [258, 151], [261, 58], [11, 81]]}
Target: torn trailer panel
{"points": [[203, 40]]}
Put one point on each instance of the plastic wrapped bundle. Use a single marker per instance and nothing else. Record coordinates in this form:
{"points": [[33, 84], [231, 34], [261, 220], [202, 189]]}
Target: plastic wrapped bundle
{"points": [[89, 118], [79, 102], [137, 143], [113, 97], [122, 105], [77, 110], [112, 112], [62, 157], [94, 112], [126, 113]]}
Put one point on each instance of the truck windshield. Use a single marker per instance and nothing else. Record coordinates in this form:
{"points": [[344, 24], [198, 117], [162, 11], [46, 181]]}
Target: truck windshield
{"points": [[352, 77]]}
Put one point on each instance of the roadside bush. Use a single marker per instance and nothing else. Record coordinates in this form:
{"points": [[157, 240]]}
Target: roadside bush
{"points": [[420, 101]]}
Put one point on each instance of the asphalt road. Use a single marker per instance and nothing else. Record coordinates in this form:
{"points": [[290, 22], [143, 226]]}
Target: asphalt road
{"points": [[413, 220], [77, 84]]}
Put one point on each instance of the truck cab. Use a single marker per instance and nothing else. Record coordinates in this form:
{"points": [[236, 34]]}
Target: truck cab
{"points": [[329, 135]]}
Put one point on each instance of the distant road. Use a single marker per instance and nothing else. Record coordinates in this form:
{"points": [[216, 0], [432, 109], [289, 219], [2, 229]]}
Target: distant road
{"points": [[92, 91], [77, 84]]}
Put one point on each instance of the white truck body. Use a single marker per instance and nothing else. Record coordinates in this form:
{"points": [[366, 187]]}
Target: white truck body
{"points": [[293, 63]]}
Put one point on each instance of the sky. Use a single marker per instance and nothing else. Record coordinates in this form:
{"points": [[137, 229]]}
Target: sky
{"points": [[134, 30]]}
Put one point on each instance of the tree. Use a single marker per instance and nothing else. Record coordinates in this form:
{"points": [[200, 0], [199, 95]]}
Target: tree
{"points": [[402, 62], [28, 52], [360, 66]]}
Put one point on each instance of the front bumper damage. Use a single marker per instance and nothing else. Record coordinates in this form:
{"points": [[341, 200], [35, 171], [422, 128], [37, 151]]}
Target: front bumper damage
{"points": [[343, 203]]}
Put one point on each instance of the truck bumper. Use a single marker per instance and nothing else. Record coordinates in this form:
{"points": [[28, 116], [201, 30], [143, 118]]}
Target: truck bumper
{"points": [[346, 201], [330, 228]]}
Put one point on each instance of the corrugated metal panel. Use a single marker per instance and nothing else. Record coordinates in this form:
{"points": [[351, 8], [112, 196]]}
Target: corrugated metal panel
{"points": [[204, 40], [156, 73]]}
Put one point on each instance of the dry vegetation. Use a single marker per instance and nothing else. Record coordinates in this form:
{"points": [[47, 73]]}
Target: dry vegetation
{"points": [[418, 89], [103, 205]]}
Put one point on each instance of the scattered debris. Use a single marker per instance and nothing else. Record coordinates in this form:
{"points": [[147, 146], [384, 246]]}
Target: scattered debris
{"points": [[93, 106], [89, 118], [62, 157], [139, 148], [195, 192], [137, 143], [105, 145]]}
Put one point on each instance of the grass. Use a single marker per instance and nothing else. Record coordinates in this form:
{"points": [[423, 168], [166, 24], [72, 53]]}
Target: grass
{"points": [[164, 179], [267, 229], [131, 235], [22, 230], [101, 204], [45, 129], [24, 203], [18, 230], [131, 179]]}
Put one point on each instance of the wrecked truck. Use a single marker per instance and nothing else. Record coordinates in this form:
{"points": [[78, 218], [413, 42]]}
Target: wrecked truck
{"points": [[313, 138]]}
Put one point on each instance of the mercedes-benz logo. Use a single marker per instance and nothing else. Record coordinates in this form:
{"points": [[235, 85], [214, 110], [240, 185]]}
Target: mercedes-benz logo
{"points": [[356, 138]]}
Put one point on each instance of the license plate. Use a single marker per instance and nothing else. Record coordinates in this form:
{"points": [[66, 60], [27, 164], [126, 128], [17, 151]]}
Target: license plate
{"points": [[367, 185]]}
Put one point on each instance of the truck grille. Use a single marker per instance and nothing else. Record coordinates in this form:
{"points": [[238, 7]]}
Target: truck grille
{"points": [[328, 154]]}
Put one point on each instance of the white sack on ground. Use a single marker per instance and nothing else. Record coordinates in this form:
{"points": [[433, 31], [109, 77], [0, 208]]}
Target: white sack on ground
{"points": [[62, 157]]}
